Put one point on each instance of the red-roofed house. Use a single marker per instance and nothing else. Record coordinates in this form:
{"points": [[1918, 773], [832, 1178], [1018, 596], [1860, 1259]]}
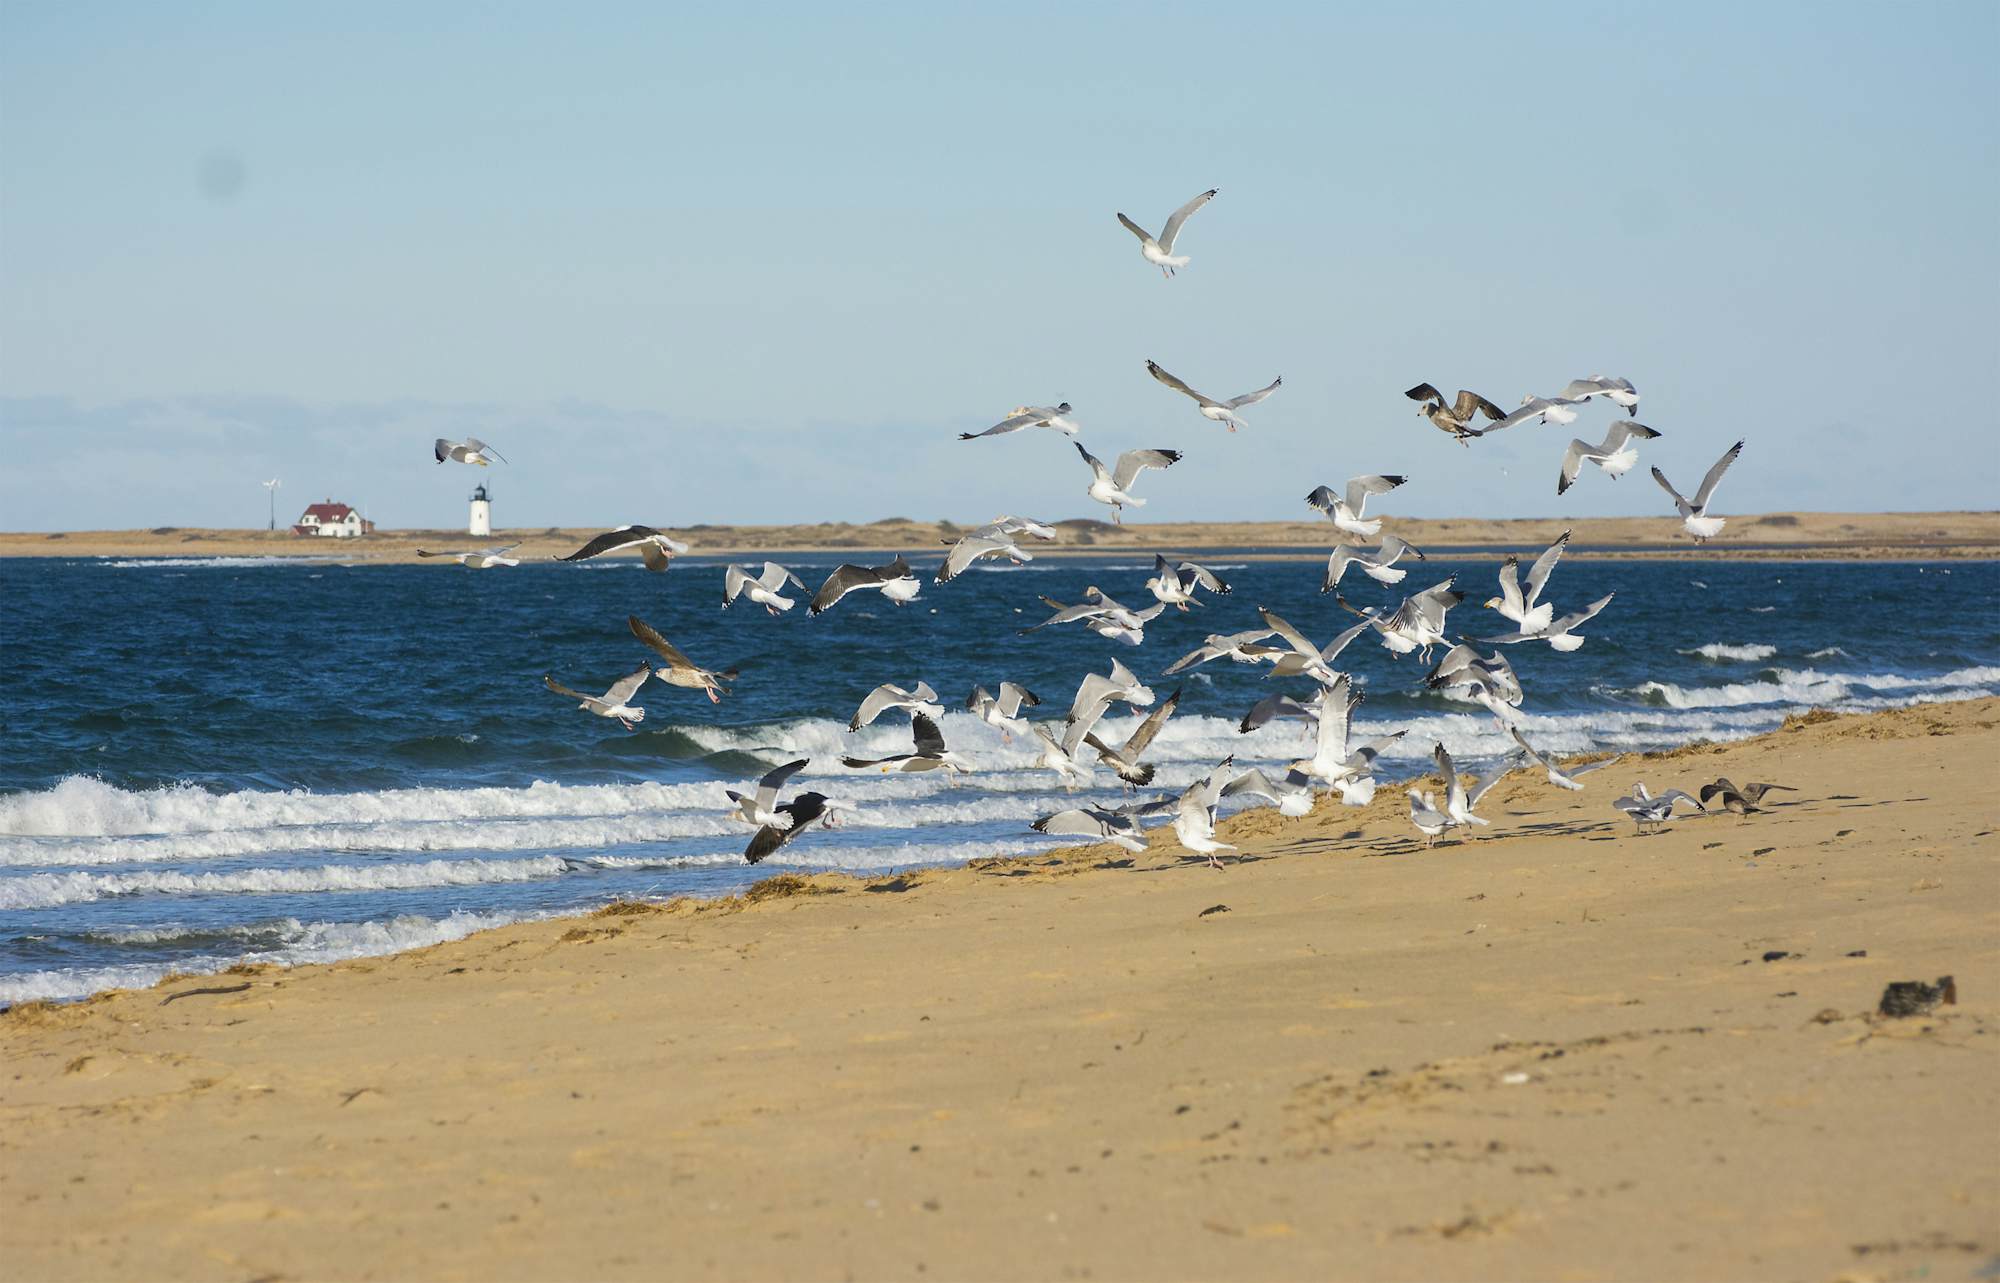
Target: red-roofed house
{"points": [[332, 520]]}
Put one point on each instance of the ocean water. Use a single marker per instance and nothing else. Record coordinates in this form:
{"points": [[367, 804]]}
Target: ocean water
{"points": [[204, 761]]}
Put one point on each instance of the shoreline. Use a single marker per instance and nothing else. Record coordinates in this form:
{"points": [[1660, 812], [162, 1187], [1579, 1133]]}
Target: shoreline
{"points": [[1778, 536], [1508, 1056]]}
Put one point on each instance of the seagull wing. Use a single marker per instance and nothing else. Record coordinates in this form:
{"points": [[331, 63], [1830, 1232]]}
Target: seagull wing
{"points": [[1668, 486], [1708, 482], [1510, 586], [875, 703], [1025, 417], [1148, 729], [1292, 636], [1331, 651], [628, 685], [775, 576], [561, 689], [1096, 464], [1491, 777], [1624, 430], [1013, 696], [845, 578], [965, 552], [1269, 709], [1359, 488], [1425, 392], [666, 650], [930, 740], [1252, 398], [1205, 577], [1133, 462], [1570, 621], [1179, 216], [734, 581], [1454, 792], [1154, 369], [1538, 574], [1573, 458], [611, 541], [1135, 229], [767, 788]]}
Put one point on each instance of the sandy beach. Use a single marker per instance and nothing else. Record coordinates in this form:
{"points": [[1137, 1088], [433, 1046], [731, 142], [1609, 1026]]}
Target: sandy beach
{"points": [[1774, 535], [1555, 1050]]}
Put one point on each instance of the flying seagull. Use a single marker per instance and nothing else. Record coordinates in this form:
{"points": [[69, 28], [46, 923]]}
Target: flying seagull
{"points": [[1002, 710], [798, 815], [996, 537], [1101, 615], [1160, 251], [614, 702], [1527, 609], [922, 699], [1620, 392], [1223, 412], [1113, 487], [1242, 647], [1095, 694], [1292, 796], [1174, 584], [1459, 801], [896, 581], [930, 753], [761, 808], [471, 450], [1561, 633], [1694, 516], [1094, 822], [1377, 566], [1124, 760], [1028, 416], [657, 550], [1303, 659], [1615, 454], [1464, 666], [1457, 418], [1557, 776], [1739, 801], [1345, 510], [763, 588], [1646, 809], [480, 559], [1271, 708], [680, 670], [1418, 623], [1194, 824], [1347, 768]]}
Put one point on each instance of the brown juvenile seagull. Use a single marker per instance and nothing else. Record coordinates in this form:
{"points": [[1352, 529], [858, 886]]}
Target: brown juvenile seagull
{"points": [[680, 670], [1739, 801], [1456, 419]]}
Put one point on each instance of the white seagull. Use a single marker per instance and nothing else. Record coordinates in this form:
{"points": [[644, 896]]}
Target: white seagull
{"points": [[1004, 710], [1101, 615], [481, 559], [761, 807], [1242, 647], [1528, 609], [1160, 251], [1464, 666], [1223, 412], [995, 538], [1459, 801], [763, 588], [655, 549], [1557, 776], [614, 703], [1377, 566], [1096, 694], [1618, 391], [1029, 416], [1293, 796], [1345, 511], [885, 697], [1561, 634], [896, 581], [1694, 516], [471, 450], [1174, 584], [1424, 813], [1418, 623], [1615, 454], [1646, 809], [930, 754], [1116, 827], [1349, 769], [1194, 824], [1302, 658], [1113, 487]]}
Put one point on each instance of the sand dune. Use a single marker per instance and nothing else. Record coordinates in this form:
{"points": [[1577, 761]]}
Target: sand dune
{"points": [[1553, 1051]]}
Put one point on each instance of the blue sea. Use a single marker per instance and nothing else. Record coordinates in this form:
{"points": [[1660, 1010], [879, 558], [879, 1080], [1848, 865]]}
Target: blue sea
{"points": [[206, 761]]}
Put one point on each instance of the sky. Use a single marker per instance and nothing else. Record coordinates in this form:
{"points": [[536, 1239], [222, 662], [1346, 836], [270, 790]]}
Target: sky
{"points": [[763, 263]]}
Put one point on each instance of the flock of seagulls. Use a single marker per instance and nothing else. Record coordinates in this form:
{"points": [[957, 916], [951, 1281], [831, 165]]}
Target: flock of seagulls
{"points": [[1076, 744]]}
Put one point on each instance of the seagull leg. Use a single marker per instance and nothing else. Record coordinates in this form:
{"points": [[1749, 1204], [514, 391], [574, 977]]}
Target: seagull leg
{"points": [[713, 698]]}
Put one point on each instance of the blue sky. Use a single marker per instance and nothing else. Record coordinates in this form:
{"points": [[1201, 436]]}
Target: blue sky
{"points": [[763, 263]]}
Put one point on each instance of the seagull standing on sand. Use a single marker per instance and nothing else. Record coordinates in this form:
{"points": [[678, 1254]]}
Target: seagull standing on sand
{"points": [[481, 559], [1004, 710], [1174, 585], [762, 589], [1646, 809], [1028, 416], [1114, 486], [613, 703], [655, 549], [1528, 609], [1376, 566], [896, 581], [1159, 251], [1457, 418], [1194, 824], [471, 450], [1424, 813], [1560, 634], [1345, 511], [996, 537], [680, 670], [1615, 454], [1223, 412], [761, 808], [796, 816], [922, 699], [930, 753], [1351, 770], [1694, 516], [1459, 801]]}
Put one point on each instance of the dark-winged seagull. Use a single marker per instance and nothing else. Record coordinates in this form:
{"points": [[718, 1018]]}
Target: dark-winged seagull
{"points": [[680, 670], [656, 549], [896, 581]]}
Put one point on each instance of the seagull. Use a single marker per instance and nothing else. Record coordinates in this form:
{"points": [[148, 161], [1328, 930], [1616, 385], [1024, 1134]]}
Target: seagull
{"points": [[1615, 454], [1160, 252], [1459, 801], [1095, 694], [1739, 801], [796, 817], [1271, 708], [1376, 566], [1558, 777], [1456, 420], [1345, 511], [1093, 822], [1174, 584], [1418, 623], [1424, 813], [1003, 711], [1618, 391], [471, 450], [1194, 824], [1464, 666], [1303, 659], [656, 549], [761, 808], [1223, 412], [896, 581], [930, 754], [922, 699], [762, 588], [481, 559], [995, 536], [1694, 516], [613, 703], [1293, 797], [1559, 634], [1646, 809], [1103, 616], [1242, 647], [1114, 487], [1055, 757], [680, 670], [1124, 761], [1541, 408], [1348, 769], [1529, 611], [1028, 416]]}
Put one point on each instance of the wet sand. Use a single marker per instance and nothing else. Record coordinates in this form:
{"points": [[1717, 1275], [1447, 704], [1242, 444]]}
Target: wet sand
{"points": [[1555, 1050]]}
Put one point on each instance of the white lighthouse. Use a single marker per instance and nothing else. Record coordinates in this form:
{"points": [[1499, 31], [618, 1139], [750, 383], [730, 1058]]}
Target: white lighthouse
{"points": [[482, 513]]}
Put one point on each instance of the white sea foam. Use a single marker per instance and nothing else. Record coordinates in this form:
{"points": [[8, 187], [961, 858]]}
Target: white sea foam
{"points": [[1827, 652], [47, 890], [210, 563], [1728, 650], [1809, 686]]}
